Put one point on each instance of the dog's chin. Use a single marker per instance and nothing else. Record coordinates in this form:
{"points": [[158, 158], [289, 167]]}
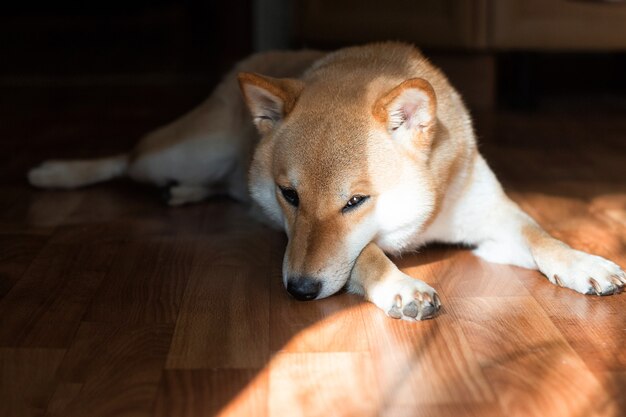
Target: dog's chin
{"points": [[331, 288], [337, 284]]}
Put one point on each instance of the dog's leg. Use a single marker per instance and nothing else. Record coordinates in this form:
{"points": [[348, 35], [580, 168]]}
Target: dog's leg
{"points": [[503, 233], [397, 294], [521, 241]]}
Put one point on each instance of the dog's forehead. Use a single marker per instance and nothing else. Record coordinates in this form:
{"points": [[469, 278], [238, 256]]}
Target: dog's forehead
{"points": [[327, 150], [330, 137]]}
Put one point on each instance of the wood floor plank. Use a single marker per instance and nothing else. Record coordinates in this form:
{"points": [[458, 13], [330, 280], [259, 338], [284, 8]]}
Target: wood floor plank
{"points": [[129, 211], [593, 326], [425, 363], [212, 392], [27, 380], [613, 383], [46, 209], [17, 251], [323, 384], [612, 205], [119, 367], [145, 285], [333, 324], [45, 307], [570, 219], [247, 244], [456, 272], [28, 211], [456, 410], [529, 364], [224, 318], [63, 396]]}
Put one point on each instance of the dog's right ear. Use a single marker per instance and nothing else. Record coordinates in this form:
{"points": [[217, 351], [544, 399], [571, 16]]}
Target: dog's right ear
{"points": [[409, 111], [270, 100]]}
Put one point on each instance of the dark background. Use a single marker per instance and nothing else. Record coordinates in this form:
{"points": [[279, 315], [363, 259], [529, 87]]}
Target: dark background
{"points": [[201, 39], [74, 38], [118, 69]]}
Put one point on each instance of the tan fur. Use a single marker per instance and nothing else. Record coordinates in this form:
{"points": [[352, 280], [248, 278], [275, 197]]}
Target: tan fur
{"points": [[347, 87], [372, 267]]}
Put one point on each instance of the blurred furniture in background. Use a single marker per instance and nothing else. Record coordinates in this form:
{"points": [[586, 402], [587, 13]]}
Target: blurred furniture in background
{"points": [[592, 25], [467, 24], [430, 23], [467, 38]]}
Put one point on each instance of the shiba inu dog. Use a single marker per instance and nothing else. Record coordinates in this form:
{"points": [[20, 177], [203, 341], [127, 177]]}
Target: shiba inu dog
{"points": [[359, 153]]}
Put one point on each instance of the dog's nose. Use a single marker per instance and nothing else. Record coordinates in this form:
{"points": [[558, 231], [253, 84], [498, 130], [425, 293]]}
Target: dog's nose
{"points": [[303, 288]]}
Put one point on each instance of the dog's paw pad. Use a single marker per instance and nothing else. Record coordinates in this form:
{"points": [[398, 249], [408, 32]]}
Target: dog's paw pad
{"points": [[411, 309], [407, 299], [585, 273]]}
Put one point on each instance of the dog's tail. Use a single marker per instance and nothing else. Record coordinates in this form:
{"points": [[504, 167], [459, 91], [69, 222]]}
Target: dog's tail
{"points": [[78, 173]]}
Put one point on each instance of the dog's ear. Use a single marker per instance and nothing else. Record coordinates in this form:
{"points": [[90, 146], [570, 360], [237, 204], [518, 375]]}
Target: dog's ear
{"points": [[269, 99], [408, 109]]}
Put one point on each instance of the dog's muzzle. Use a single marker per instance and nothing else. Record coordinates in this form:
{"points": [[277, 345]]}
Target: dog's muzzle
{"points": [[304, 288]]}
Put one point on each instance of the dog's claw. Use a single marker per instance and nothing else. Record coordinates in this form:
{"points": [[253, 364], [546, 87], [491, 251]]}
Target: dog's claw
{"points": [[398, 301], [428, 298], [615, 288], [395, 312], [617, 282], [596, 286], [437, 301], [426, 305], [558, 280], [621, 279]]}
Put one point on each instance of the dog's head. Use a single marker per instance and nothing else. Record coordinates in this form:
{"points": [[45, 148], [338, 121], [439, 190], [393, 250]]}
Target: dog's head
{"points": [[339, 166]]}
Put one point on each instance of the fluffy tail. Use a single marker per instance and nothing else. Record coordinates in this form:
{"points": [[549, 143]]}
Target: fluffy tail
{"points": [[73, 174]]}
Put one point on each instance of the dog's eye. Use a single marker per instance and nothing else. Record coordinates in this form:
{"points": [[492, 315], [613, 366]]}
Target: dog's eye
{"points": [[355, 201], [290, 195]]}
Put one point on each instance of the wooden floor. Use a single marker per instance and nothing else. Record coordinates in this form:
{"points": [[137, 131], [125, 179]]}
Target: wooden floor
{"points": [[114, 305]]}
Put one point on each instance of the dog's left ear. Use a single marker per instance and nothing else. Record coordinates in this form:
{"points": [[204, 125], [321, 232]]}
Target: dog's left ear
{"points": [[408, 109], [269, 99]]}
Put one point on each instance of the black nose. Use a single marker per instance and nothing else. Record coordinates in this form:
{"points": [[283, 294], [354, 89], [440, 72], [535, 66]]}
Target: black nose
{"points": [[303, 288]]}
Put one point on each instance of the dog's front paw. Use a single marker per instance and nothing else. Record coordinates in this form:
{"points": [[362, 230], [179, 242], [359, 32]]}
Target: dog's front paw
{"points": [[403, 297], [585, 273]]}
